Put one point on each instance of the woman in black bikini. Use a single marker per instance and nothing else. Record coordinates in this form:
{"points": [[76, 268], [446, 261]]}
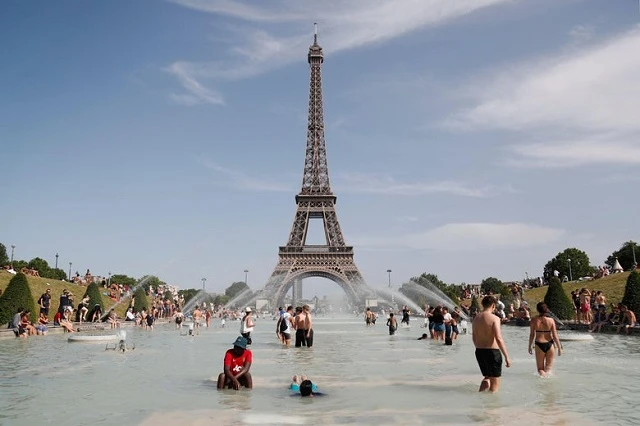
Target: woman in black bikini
{"points": [[543, 328]]}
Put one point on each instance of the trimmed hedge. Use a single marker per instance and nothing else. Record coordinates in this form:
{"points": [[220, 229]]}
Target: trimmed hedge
{"points": [[557, 300], [17, 295], [142, 301], [631, 296], [95, 296]]}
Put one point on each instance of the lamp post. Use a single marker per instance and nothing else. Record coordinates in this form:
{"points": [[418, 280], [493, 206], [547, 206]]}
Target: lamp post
{"points": [[633, 251], [109, 281], [12, 248], [57, 260], [203, 281], [246, 275], [570, 273], [70, 271], [393, 298]]}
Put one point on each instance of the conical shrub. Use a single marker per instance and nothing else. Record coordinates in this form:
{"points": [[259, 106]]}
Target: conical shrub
{"points": [[17, 295], [475, 305], [95, 298], [142, 301], [632, 292], [557, 300]]}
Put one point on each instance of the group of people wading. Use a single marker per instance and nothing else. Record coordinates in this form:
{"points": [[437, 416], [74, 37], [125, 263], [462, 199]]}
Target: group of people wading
{"points": [[298, 321]]}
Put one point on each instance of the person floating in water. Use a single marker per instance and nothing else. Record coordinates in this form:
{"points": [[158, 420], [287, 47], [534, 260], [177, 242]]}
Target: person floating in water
{"points": [[308, 389], [297, 380], [392, 323], [237, 363], [544, 330], [489, 344]]}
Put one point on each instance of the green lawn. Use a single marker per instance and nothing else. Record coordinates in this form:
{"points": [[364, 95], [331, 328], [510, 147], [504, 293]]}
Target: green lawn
{"points": [[39, 285], [612, 286]]}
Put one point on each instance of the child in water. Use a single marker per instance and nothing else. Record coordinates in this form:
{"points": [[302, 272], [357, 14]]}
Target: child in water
{"points": [[296, 381], [392, 323]]}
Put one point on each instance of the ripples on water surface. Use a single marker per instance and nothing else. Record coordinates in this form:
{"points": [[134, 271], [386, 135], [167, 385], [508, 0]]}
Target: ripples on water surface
{"points": [[370, 378]]}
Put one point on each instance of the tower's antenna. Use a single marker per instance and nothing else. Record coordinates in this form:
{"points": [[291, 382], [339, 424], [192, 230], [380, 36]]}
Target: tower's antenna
{"points": [[315, 32]]}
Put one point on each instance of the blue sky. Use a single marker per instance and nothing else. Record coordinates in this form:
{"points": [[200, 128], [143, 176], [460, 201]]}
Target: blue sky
{"points": [[466, 138]]}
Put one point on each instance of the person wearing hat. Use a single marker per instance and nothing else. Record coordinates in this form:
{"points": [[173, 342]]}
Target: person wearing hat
{"points": [[246, 327], [237, 362]]}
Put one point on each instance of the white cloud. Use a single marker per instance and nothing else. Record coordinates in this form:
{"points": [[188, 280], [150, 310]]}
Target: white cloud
{"points": [[581, 33], [387, 185], [582, 152], [239, 180], [471, 236], [343, 26], [583, 104], [198, 93], [592, 90]]}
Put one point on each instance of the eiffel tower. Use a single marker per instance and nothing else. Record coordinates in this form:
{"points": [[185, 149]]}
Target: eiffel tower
{"points": [[297, 259]]}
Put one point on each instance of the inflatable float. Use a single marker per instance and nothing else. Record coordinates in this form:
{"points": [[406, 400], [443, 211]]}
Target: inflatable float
{"points": [[97, 337]]}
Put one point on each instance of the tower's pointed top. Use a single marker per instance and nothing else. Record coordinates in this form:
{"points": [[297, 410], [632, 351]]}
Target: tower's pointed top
{"points": [[315, 51]]}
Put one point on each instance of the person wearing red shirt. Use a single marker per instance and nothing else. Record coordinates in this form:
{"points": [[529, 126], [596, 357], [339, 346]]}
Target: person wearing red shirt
{"points": [[237, 362]]}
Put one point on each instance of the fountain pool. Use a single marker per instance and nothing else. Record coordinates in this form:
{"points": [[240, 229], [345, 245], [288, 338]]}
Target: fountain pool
{"points": [[370, 378]]}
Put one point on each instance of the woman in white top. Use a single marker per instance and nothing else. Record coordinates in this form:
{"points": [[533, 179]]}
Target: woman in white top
{"points": [[246, 327]]}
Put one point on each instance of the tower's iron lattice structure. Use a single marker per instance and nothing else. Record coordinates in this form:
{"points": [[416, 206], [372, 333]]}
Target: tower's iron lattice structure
{"points": [[297, 259]]}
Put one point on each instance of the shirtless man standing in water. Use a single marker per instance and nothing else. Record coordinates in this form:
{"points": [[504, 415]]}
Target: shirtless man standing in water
{"points": [[197, 318], [304, 331], [487, 339]]}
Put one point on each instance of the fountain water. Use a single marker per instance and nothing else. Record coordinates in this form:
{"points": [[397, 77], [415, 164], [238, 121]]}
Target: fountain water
{"points": [[196, 299], [243, 298], [433, 294], [390, 295], [132, 291]]}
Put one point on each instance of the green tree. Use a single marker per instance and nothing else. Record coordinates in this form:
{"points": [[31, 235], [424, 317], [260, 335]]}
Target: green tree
{"points": [[491, 284], [19, 264], [475, 307], [236, 288], [188, 294], [39, 265], [580, 266], [142, 301], [221, 299], [151, 280], [124, 280], [625, 255], [55, 274], [168, 296], [17, 295], [631, 296], [557, 300], [4, 258]]}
